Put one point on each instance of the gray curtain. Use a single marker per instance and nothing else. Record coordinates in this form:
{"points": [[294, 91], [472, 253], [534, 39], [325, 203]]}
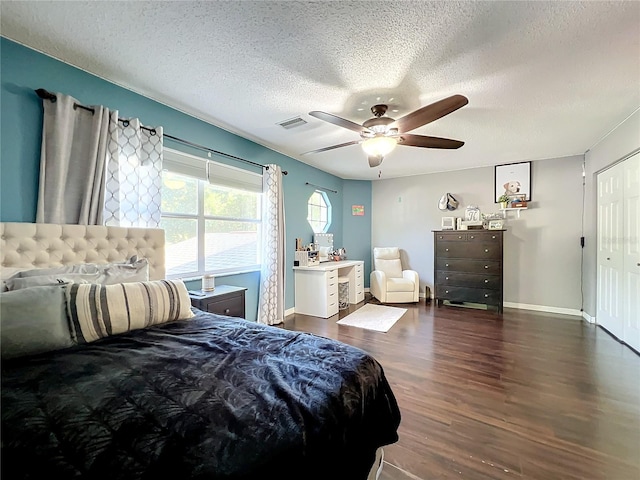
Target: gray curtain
{"points": [[72, 162], [271, 300]]}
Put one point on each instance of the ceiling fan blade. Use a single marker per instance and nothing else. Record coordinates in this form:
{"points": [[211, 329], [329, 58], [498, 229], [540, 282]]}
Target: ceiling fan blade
{"points": [[339, 121], [428, 114], [354, 142], [428, 142]]}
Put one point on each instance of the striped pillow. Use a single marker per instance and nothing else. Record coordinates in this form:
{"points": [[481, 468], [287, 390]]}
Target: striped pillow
{"points": [[97, 311]]}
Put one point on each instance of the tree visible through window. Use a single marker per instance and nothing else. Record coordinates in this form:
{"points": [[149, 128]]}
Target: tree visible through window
{"points": [[319, 212]]}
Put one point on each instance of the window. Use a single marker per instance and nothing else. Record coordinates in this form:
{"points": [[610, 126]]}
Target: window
{"points": [[209, 228], [319, 212]]}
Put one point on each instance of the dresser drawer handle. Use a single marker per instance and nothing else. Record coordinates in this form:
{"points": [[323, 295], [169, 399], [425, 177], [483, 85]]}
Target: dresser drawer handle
{"points": [[446, 264], [446, 278], [226, 311], [460, 236], [486, 281], [486, 266], [446, 249], [493, 236], [472, 236], [486, 250], [446, 291], [486, 295], [441, 237]]}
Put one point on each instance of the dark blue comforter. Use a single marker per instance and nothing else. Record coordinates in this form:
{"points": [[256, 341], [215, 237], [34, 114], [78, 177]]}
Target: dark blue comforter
{"points": [[207, 398]]}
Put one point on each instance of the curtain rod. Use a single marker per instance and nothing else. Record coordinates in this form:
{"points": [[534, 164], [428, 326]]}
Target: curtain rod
{"points": [[321, 188], [46, 95]]}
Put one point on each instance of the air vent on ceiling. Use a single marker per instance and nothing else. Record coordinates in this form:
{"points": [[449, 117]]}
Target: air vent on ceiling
{"points": [[292, 123]]}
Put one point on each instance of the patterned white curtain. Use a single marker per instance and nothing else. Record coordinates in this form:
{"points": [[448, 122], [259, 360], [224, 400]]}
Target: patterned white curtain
{"points": [[134, 175], [271, 301]]}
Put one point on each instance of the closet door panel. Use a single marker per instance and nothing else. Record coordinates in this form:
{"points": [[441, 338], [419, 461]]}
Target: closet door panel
{"points": [[610, 250], [631, 252]]}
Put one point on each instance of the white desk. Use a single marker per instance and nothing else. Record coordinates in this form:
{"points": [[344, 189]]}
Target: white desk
{"points": [[316, 288]]}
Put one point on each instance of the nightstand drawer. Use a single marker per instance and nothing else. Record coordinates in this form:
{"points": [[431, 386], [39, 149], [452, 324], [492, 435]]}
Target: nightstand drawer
{"points": [[224, 300], [232, 306]]}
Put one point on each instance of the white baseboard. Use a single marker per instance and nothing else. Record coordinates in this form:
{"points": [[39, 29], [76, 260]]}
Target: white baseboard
{"points": [[544, 308], [289, 311], [588, 318]]}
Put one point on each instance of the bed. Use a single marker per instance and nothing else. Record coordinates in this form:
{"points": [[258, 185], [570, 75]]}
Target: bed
{"points": [[201, 397]]}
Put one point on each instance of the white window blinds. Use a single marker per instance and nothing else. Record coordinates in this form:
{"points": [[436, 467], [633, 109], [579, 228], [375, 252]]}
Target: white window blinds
{"points": [[214, 172]]}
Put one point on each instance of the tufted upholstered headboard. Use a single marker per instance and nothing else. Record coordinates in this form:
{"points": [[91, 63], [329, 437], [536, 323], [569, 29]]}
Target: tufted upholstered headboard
{"points": [[41, 245]]}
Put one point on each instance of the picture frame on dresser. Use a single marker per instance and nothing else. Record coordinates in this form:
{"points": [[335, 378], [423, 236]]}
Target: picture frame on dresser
{"points": [[512, 179]]}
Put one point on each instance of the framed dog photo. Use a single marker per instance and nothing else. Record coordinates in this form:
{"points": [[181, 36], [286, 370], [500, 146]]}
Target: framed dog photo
{"points": [[513, 180]]}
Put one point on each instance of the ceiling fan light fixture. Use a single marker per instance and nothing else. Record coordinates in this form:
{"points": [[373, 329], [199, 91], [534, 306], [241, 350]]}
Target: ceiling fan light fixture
{"points": [[379, 146]]}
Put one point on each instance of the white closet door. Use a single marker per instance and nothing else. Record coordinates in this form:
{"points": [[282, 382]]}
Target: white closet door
{"points": [[610, 252], [631, 252]]}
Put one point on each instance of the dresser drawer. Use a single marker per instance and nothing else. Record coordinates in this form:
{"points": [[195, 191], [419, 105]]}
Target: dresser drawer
{"points": [[468, 250], [489, 282], [469, 266], [451, 237], [467, 294], [486, 237]]}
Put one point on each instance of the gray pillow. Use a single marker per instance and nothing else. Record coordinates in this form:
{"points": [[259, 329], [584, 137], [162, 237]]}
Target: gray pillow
{"points": [[51, 279], [136, 270], [64, 269], [33, 320]]}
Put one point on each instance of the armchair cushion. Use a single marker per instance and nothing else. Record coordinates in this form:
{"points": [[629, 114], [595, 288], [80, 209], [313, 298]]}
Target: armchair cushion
{"points": [[400, 285], [391, 268], [387, 259]]}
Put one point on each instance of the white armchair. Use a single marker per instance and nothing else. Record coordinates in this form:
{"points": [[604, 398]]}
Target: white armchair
{"points": [[389, 282]]}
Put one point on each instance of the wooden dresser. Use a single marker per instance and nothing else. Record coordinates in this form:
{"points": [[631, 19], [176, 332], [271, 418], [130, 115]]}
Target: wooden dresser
{"points": [[468, 267]]}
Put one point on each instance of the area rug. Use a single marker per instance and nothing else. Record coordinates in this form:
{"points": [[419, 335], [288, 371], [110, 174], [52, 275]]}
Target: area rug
{"points": [[373, 317]]}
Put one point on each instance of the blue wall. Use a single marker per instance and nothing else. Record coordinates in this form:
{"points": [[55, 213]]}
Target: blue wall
{"points": [[23, 70]]}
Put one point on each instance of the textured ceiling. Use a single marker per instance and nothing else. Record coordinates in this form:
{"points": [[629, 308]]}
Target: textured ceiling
{"points": [[543, 79]]}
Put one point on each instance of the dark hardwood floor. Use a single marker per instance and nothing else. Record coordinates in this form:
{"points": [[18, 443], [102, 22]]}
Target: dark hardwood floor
{"points": [[522, 395]]}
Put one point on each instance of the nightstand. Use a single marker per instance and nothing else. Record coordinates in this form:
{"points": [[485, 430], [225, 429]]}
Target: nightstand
{"points": [[224, 300]]}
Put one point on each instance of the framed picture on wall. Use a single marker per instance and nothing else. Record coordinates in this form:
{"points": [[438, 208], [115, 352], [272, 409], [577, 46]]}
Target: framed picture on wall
{"points": [[513, 180]]}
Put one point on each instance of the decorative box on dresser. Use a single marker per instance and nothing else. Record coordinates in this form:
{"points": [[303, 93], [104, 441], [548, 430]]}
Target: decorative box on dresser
{"points": [[468, 267]]}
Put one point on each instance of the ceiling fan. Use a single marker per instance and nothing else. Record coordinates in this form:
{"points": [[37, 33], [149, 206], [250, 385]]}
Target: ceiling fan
{"points": [[379, 135]]}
